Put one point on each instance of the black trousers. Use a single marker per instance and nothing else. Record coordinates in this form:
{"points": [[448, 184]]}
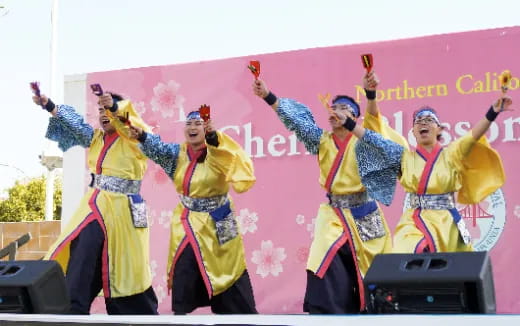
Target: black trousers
{"points": [[337, 292], [84, 278], [189, 291]]}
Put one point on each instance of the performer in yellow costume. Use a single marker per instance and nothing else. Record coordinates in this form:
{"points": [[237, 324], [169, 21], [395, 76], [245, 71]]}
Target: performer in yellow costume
{"points": [[431, 175], [206, 261], [350, 229], [105, 245]]}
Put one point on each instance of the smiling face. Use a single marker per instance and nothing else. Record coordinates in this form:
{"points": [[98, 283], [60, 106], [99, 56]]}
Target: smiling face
{"points": [[426, 130], [105, 122], [194, 132], [343, 110]]}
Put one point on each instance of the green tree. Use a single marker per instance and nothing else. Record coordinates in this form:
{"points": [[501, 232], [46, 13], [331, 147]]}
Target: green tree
{"points": [[26, 201]]}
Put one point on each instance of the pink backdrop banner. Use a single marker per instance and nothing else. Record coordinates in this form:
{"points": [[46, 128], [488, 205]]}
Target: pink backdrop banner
{"points": [[457, 74]]}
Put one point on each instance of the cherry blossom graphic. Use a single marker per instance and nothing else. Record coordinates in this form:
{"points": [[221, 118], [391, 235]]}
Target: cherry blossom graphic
{"points": [[166, 100], [157, 173], [310, 227], [247, 221], [165, 218], [160, 292], [153, 268], [151, 118], [302, 254], [300, 219], [164, 284], [517, 211], [152, 215], [139, 108], [268, 259]]}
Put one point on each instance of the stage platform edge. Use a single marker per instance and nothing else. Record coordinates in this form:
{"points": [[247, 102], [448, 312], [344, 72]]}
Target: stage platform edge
{"points": [[282, 320]]}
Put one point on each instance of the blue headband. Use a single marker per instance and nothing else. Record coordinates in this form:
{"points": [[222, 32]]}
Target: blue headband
{"points": [[193, 115], [427, 112], [352, 106]]}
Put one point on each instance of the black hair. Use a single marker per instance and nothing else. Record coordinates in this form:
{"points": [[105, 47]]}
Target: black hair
{"points": [[346, 97], [116, 97]]}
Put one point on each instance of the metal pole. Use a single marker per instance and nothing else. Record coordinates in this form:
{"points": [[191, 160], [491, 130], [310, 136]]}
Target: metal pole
{"points": [[53, 47], [49, 187], [49, 195]]}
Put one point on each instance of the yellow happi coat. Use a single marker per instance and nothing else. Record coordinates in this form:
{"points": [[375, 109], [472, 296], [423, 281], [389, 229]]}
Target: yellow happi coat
{"points": [[471, 168], [125, 256], [338, 176], [329, 227], [224, 166]]}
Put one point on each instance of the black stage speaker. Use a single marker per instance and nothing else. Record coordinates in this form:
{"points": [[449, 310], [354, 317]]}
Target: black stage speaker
{"points": [[430, 283], [28, 286]]}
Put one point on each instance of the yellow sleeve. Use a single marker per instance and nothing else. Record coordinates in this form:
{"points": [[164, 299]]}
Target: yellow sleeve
{"points": [[125, 108], [459, 149], [230, 159], [480, 165], [376, 123]]}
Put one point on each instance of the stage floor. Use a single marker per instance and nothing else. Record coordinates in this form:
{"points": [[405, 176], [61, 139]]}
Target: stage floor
{"points": [[286, 320]]}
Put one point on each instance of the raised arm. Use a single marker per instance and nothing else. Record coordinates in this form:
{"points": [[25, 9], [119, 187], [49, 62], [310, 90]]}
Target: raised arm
{"points": [[66, 126], [373, 119], [370, 82], [503, 103], [295, 116], [164, 154], [480, 165]]}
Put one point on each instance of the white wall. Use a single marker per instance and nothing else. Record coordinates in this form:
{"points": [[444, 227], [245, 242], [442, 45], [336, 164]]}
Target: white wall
{"points": [[73, 159]]}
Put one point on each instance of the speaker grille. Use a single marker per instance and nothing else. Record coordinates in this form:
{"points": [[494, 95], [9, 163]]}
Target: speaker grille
{"points": [[446, 299], [430, 283], [14, 300], [33, 287]]}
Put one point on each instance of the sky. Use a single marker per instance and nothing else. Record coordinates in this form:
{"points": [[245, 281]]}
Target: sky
{"points": [[101, 35]]}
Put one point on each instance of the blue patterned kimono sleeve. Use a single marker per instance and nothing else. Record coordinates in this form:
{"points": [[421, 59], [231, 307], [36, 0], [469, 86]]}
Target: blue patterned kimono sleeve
{"points": [[164, 154], [69, 129], [298, 118], [379, 165]]}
